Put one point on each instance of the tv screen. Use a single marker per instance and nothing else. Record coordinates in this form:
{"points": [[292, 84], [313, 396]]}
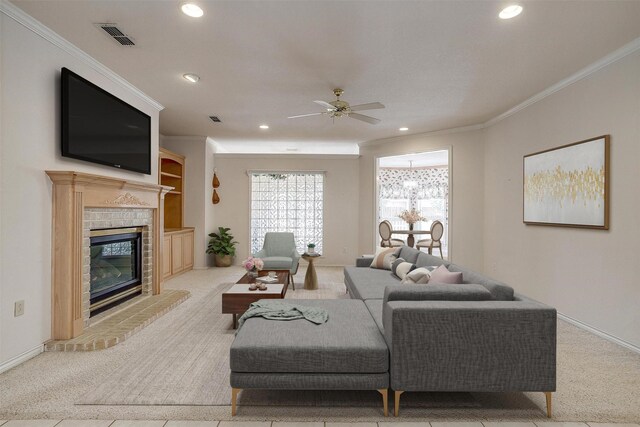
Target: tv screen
{"points": [[100, 128]]}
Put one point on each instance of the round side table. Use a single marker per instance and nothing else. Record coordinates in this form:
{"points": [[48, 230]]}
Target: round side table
{"points": [[311, 278]]}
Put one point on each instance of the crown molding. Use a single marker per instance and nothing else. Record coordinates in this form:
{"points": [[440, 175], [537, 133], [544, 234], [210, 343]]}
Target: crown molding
{"points": [[614, 56], [461, 129], [29, 22], [611, 58]]}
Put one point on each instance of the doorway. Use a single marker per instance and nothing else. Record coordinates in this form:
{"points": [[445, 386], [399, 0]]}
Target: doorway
{"points": [[417, 181]]}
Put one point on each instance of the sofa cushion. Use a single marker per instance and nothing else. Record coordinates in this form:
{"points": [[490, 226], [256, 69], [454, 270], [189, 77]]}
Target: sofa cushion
{"points": [[395, 264], [349, 342], [418, 276], [403, 269], [384, 257], [499, 290], [277, 263], [437, 293], [426, 260], [443, 276], [368, 283], [409, 254]]}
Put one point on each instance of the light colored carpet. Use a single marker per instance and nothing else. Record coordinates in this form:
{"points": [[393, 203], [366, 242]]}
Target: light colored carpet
{"points": [[177, 368]]}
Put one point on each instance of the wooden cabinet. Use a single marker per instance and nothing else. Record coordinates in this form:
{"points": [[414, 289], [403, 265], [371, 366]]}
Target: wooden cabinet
{"points": [[178, 251], [178, 239], [166, 257]]}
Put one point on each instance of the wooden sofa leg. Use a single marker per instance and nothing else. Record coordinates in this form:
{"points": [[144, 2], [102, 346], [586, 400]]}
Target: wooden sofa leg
{"points": [[548, 396], [234, 399], [385, 401], [396, 409]]}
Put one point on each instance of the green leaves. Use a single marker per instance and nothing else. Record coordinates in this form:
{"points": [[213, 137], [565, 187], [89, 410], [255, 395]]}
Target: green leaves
{"points": [[222, 243]]}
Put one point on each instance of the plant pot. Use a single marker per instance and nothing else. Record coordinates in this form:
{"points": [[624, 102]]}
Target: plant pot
{"points": [[222, 260]]}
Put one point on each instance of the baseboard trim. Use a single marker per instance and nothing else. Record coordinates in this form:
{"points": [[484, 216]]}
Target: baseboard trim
{"points": [[21, 358], [599, 333]]}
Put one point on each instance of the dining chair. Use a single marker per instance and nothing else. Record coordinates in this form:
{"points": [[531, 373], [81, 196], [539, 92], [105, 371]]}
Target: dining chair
{"points": [[385, 229], [437, 230]]}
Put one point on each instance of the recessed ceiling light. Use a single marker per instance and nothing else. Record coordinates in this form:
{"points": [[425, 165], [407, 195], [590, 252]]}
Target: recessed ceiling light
{"points": [[510, 11], [403, 129], [192, 10], [264, 127], [193, 78]]}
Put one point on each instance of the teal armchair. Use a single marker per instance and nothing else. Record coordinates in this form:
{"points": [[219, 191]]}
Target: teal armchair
{"points": [[279, 253]]}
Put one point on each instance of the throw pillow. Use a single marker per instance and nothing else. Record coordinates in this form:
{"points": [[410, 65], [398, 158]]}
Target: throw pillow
{"points": [[403, 269], [417, 277], [384, 257], [395, 264], [443, 276]]}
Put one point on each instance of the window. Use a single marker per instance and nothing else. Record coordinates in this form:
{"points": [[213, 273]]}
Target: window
{"points": [[287, 201]]}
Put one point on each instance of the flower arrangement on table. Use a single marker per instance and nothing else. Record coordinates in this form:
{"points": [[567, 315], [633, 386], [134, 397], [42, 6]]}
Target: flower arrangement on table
{"points": [[253, 265], [411, 217]]}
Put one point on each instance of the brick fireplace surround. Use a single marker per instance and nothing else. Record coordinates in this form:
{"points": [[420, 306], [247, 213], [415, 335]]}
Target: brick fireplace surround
{"points": [[84, 201]]}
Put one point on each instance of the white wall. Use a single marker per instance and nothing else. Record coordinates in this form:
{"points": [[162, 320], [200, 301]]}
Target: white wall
{"points": [[340, 199], [197, 188], [466, 174], [30, 144], [589, 275]]}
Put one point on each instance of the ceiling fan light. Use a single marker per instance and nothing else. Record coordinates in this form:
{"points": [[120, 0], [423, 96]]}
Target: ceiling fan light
{"points": [[510, 11]]}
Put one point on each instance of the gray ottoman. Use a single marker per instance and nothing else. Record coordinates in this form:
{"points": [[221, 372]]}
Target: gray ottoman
{"points": [[346, 353]]}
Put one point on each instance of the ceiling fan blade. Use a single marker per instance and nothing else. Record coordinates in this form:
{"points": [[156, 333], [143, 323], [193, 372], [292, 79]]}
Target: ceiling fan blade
{"points": [[369, 106], [362, 117], [306, 115], [326, 105]]}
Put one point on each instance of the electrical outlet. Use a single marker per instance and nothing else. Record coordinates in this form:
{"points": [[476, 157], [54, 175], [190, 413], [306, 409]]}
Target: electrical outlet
{"points": [[18, 308]]}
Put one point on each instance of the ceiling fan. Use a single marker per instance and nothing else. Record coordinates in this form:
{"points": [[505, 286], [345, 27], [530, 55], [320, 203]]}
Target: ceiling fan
{"points": [[339, 108]]}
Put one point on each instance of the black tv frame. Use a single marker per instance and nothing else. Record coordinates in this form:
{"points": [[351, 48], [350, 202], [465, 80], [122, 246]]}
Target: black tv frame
{"points": [[64, 117]]}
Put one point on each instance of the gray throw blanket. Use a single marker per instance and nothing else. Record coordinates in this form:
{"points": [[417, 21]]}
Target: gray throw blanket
{"points": [[278, 310]]}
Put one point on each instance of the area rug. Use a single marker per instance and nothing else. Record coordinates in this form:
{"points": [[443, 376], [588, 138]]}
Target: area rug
{"points": [[191, 367]]}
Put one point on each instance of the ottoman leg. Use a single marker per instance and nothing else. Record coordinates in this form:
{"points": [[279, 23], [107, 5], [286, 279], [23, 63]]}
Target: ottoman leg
{"points": [[234, 398], [385, 404], [547, 394], [397, 402]]}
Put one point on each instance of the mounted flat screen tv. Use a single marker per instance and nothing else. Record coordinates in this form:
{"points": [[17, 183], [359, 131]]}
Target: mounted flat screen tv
{"points": [[101, 128]]}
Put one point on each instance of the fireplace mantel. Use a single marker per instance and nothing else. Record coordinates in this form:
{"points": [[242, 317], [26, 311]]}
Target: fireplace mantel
{"points": [[72, 193]]}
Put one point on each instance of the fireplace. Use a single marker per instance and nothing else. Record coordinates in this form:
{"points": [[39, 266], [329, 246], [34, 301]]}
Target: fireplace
{"points": [[115, 273]]}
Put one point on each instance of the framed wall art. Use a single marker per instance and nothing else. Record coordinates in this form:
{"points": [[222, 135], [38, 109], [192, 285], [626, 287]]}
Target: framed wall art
{"points": [[568, 186]]}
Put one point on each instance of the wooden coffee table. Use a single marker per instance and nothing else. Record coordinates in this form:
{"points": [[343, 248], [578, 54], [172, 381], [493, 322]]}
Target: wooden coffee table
{"points": [[237, 299]]}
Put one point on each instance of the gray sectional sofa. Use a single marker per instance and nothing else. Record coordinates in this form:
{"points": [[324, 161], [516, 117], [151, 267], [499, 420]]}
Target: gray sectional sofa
{"points": [[476, 337]]}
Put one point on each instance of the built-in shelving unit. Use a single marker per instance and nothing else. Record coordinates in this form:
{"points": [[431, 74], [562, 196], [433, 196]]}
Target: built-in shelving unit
{"points": [[178, 239]]}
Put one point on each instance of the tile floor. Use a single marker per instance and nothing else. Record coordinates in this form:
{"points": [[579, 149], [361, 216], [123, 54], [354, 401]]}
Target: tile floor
{"points": [[162, 423]]}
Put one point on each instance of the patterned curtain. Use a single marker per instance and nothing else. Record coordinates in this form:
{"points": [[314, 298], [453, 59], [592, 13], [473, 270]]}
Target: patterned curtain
{"points": [[282, 201]]}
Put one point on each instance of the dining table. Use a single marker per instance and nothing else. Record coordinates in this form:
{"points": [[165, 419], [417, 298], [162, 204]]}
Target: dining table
{"points": [[410, 234]]}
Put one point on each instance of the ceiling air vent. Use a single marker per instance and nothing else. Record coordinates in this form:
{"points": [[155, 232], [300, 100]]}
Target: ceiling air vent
{"points": [[115, 33], [215, 119]]}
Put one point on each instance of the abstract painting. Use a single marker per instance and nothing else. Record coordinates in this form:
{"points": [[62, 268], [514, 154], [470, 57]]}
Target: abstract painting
{"points": [[569, 185]]}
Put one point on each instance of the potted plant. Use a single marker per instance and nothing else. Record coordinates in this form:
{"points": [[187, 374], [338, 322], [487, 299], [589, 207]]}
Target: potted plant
{"points": [[311, 248], [222, 246]]}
